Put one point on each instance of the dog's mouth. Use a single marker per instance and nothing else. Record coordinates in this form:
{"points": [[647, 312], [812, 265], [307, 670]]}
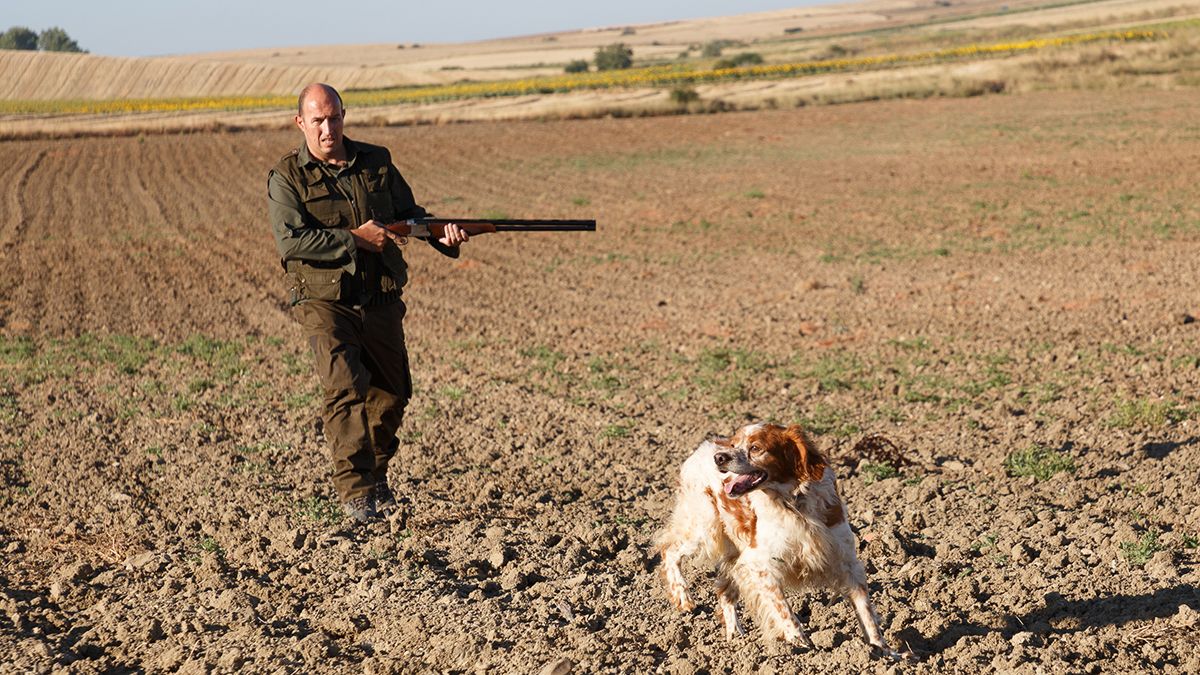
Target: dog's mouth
{"points": [[741, 483]]}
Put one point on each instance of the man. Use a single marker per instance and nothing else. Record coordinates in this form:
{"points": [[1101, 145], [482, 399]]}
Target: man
{"points": [[329, 202]]}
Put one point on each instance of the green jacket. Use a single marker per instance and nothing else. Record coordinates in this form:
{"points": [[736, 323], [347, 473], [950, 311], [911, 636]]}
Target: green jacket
{"points": [[313, 206]]}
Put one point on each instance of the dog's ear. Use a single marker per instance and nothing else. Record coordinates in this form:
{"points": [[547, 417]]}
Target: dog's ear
{"points": [[810, 463]]}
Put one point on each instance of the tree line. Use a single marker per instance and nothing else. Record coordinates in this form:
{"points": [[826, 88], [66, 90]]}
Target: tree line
{"points": [[50, 40]]}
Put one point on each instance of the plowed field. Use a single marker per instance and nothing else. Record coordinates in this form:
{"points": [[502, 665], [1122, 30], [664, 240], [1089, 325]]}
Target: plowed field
{"points": [[1002, 286]]}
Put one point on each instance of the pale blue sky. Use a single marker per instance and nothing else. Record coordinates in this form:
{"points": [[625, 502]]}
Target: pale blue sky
{"points": [[155, 27]]}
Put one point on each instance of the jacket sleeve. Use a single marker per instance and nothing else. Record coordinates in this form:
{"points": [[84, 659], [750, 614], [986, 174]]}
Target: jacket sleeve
{"points": [[297, 240], [406, 208]]}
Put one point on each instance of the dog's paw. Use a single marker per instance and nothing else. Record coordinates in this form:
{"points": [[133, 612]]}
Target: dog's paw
{"points": [[682, 602], [885, 652], [798, 639]]}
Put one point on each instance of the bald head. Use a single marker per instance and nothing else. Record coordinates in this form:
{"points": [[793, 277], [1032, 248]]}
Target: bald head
{"points": [[318, 89], [320, 117]]}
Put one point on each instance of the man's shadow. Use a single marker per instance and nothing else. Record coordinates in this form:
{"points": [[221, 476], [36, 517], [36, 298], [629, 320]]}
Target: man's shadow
{"points": [[1071, 615]]}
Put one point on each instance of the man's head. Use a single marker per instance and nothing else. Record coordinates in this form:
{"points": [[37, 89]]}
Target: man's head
{"points": [[320, 115]]}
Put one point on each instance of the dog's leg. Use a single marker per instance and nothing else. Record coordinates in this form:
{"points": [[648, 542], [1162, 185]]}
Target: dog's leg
{"points": [[727, 597], [868, 618], [673, 554], [765, 595]]}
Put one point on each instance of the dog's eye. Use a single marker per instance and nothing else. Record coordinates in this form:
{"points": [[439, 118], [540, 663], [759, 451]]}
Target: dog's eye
{"points": [[755, 450]]}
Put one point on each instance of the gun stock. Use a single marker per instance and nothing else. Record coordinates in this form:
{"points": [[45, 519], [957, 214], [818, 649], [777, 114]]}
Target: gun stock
{"points": [[424, 228]]}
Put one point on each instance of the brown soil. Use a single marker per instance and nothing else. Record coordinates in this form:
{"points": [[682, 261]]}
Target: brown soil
{"points": [[976, 281]]}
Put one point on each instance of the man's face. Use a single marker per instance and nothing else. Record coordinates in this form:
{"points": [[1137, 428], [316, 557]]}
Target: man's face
{"points": [[321, 123]]}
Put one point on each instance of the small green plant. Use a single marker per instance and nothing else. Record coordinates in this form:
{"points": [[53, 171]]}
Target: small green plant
{"points": [[615, 431], [985, 542], [876, 472], [581, 201], [1191, 541], [210, 545], [319, 509], [756, 194], [1141, 551], [576, 66], [1038, 461]]}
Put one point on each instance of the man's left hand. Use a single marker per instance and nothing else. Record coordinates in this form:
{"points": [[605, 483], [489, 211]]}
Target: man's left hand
{"points": [[453, 235]]}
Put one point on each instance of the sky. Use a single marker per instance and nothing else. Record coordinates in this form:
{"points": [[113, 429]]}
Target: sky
{"points": [[160, 27]]}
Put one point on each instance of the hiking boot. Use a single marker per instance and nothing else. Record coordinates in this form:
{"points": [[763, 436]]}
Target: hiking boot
{"points": [[361, 509], [385, 500]]}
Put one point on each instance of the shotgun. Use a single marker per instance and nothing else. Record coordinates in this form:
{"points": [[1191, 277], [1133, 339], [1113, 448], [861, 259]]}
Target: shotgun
{"points": [[424, 228]]}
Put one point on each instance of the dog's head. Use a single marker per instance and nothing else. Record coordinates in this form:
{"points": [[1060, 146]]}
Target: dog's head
{"points": [[759, 455]]}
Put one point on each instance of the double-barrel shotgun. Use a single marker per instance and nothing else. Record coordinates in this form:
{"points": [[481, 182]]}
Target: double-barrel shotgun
{"points": [[424, 228]]}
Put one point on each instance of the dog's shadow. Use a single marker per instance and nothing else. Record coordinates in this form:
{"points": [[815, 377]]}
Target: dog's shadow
{"points": [[1160, 450], [1072, 616]]}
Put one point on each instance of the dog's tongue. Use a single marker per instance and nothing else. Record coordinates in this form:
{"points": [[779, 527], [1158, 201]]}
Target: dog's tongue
{"points": [[740, 484]]}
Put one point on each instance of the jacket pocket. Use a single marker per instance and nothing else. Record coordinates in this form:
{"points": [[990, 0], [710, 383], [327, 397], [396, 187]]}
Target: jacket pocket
{"points": [[324, 206], [315, 284]]}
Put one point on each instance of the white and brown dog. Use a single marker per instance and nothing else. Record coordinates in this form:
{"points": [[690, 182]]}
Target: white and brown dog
{"points": [[763, 507]]}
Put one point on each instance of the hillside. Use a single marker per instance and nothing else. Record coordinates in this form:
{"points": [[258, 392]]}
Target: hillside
{"points": [[809, 56], [50, 76]]}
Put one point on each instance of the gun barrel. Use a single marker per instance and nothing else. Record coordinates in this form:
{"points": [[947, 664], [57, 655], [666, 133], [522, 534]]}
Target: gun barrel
{"points": [[516, 224]]}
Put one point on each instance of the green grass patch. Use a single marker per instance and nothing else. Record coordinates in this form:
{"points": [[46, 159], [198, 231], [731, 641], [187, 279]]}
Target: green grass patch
{"points": [[824, 419], [616, 431], [877, 472], [1038, 461], [1144, 413], [321, 510], [1141, 551]]}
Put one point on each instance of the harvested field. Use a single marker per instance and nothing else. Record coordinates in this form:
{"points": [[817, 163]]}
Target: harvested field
{"points": [[1003, 287]]}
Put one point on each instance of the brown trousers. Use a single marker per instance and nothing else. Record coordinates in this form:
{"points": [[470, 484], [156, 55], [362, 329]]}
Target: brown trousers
{"points": [[363, 366]]}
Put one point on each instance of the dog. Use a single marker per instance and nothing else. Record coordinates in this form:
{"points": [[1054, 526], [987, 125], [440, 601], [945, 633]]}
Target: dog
{"points": [[763, 507]]}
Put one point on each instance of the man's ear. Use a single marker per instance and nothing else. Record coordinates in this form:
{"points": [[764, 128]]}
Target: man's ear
{"points": [[810, 463], [300, 122]]}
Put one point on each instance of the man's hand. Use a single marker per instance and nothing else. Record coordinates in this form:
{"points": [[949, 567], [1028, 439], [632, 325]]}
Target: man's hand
{"points": [[453, 235], [371, 236]]}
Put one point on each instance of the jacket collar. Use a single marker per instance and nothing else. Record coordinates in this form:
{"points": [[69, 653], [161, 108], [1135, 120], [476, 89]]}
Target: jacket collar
{"points": [[352, 149]]}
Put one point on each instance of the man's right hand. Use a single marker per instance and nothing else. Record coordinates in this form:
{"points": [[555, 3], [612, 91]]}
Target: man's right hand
{"points": [[370, 236]]}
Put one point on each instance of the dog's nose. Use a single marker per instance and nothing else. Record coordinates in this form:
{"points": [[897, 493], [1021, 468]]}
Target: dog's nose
{"points": [[722, 458]]}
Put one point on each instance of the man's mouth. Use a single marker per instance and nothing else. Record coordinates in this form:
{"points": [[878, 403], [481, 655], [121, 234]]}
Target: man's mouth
{"points": [[744, 482]]}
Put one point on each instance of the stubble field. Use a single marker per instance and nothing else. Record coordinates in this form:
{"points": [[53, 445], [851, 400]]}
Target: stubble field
{"points": [[1002, 286]]}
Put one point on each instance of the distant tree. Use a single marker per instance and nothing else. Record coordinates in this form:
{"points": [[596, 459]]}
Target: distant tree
{"points": [[743, 59], [56, 40], [713, 48], [18, 37], [576, 66], [614, 57]]}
